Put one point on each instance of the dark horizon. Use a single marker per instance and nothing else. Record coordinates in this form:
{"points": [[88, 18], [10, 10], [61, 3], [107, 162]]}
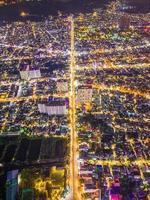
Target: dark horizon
{"points": [[36, 10], [45, 8]]}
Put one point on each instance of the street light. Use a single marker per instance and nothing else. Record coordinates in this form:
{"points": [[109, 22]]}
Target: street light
{"points": [[23, 14]]}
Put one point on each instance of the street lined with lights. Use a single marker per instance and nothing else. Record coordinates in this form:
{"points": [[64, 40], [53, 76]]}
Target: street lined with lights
{"points": [[83, 78]]}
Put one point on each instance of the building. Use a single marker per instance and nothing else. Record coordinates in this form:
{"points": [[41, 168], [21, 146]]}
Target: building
{"points": [[27, 194], [84, 94], [62, 86], [54, 107], [12, 185], [29, 72], [124, 22]]}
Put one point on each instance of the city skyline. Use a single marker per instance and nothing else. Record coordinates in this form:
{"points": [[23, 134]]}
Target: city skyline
{"points": [[74, 103]]}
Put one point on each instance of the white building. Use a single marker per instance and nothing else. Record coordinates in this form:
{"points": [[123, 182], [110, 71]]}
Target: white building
{"points": [[29, 72], [53, 107]]}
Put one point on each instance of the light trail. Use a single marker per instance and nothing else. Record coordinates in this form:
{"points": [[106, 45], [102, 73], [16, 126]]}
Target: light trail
{"points": [[74, 182], [104, 51], [113, 66], [49, 55], [43, 50], [33, 97], [139, 162], [33, 30], [32, 81], [122, 89]]}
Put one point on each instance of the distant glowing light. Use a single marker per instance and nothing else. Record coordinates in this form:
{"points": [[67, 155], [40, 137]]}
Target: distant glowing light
{"points": [[23, 14], [19, 179]]}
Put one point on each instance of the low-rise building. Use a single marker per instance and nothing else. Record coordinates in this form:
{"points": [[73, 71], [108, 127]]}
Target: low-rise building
{"points": [[54, 107], [62, 86], [84, 94], [29, 72]]}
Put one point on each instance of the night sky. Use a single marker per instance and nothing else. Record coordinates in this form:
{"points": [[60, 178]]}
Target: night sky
{"points": [[50, 7]]}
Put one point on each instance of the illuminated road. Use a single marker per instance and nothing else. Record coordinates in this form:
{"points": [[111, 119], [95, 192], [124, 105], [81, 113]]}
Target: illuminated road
{"points": [[113, 66], [33, 30], [74, 182], [122, 89], [46, 52], [33, 97], [33, 81]]}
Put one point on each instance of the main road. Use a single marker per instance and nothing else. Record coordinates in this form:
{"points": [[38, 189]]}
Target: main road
{"points": [[74, 180]]}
